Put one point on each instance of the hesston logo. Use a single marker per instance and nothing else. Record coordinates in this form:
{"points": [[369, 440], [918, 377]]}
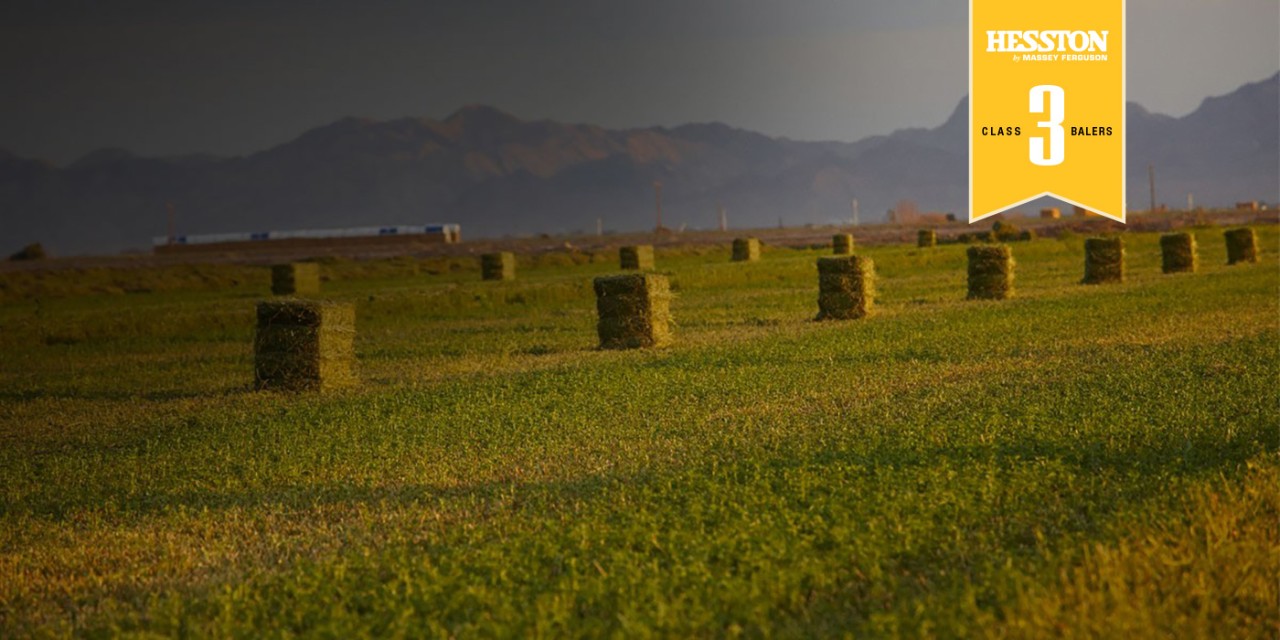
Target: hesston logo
{"points": [[1046, 105], [1046, 41]]}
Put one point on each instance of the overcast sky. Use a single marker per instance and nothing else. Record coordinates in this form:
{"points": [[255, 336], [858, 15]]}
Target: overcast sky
{"points": [[235, 77]]}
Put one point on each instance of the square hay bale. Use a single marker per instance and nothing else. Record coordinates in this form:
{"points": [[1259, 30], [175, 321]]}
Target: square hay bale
{"points": [[1178, 253], [846, 287], [842, 244], [1103, 260], [990, 272], [926, 238], [746, 249], [634, 310], [304, 345], [1242, 245], [637, 257], [498, 266], [295, 278], [1051, 213], [1003, 231]]}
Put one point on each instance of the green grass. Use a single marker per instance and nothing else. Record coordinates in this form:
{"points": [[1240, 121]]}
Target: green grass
{"points": [[1080, 460]]}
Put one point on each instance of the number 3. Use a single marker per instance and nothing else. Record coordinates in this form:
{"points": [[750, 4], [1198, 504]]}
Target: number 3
{"points": [[1057, 137]]}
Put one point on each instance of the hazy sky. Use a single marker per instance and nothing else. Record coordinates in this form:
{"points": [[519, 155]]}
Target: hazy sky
{"points": [[236, 76]]}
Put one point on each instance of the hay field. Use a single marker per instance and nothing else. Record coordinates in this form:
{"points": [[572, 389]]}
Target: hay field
{"points": [[1079, 460]]}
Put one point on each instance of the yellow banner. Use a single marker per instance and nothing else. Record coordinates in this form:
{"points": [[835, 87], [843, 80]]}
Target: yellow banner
{"points": [[1046, 105]]}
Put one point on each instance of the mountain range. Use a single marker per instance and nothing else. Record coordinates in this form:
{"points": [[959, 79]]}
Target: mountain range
{"points": [[496, 174]]}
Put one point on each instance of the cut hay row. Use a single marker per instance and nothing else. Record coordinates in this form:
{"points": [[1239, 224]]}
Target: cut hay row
{"points": [[1178, 253], [308, 345], [304, 345], [842, 244], [634, 310], [295, 278], [990, 272], [498, 266], [638, 257], [1103, 260], [846, 287]]}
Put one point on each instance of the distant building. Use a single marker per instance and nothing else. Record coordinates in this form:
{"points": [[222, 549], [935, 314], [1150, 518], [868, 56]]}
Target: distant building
{"points": [[1251, 205], [307, 238], [907, 212]]}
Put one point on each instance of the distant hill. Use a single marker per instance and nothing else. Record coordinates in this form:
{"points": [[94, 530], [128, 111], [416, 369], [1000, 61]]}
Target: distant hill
{"points": [[497, 174], [1226, 150]]}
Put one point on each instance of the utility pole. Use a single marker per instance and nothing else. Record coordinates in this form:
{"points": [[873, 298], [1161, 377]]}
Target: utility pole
{"points": [[599, 226], [169, 208], [724, 219], [855, 212], [1191, 202], [1151, 176], [657, 196]]}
